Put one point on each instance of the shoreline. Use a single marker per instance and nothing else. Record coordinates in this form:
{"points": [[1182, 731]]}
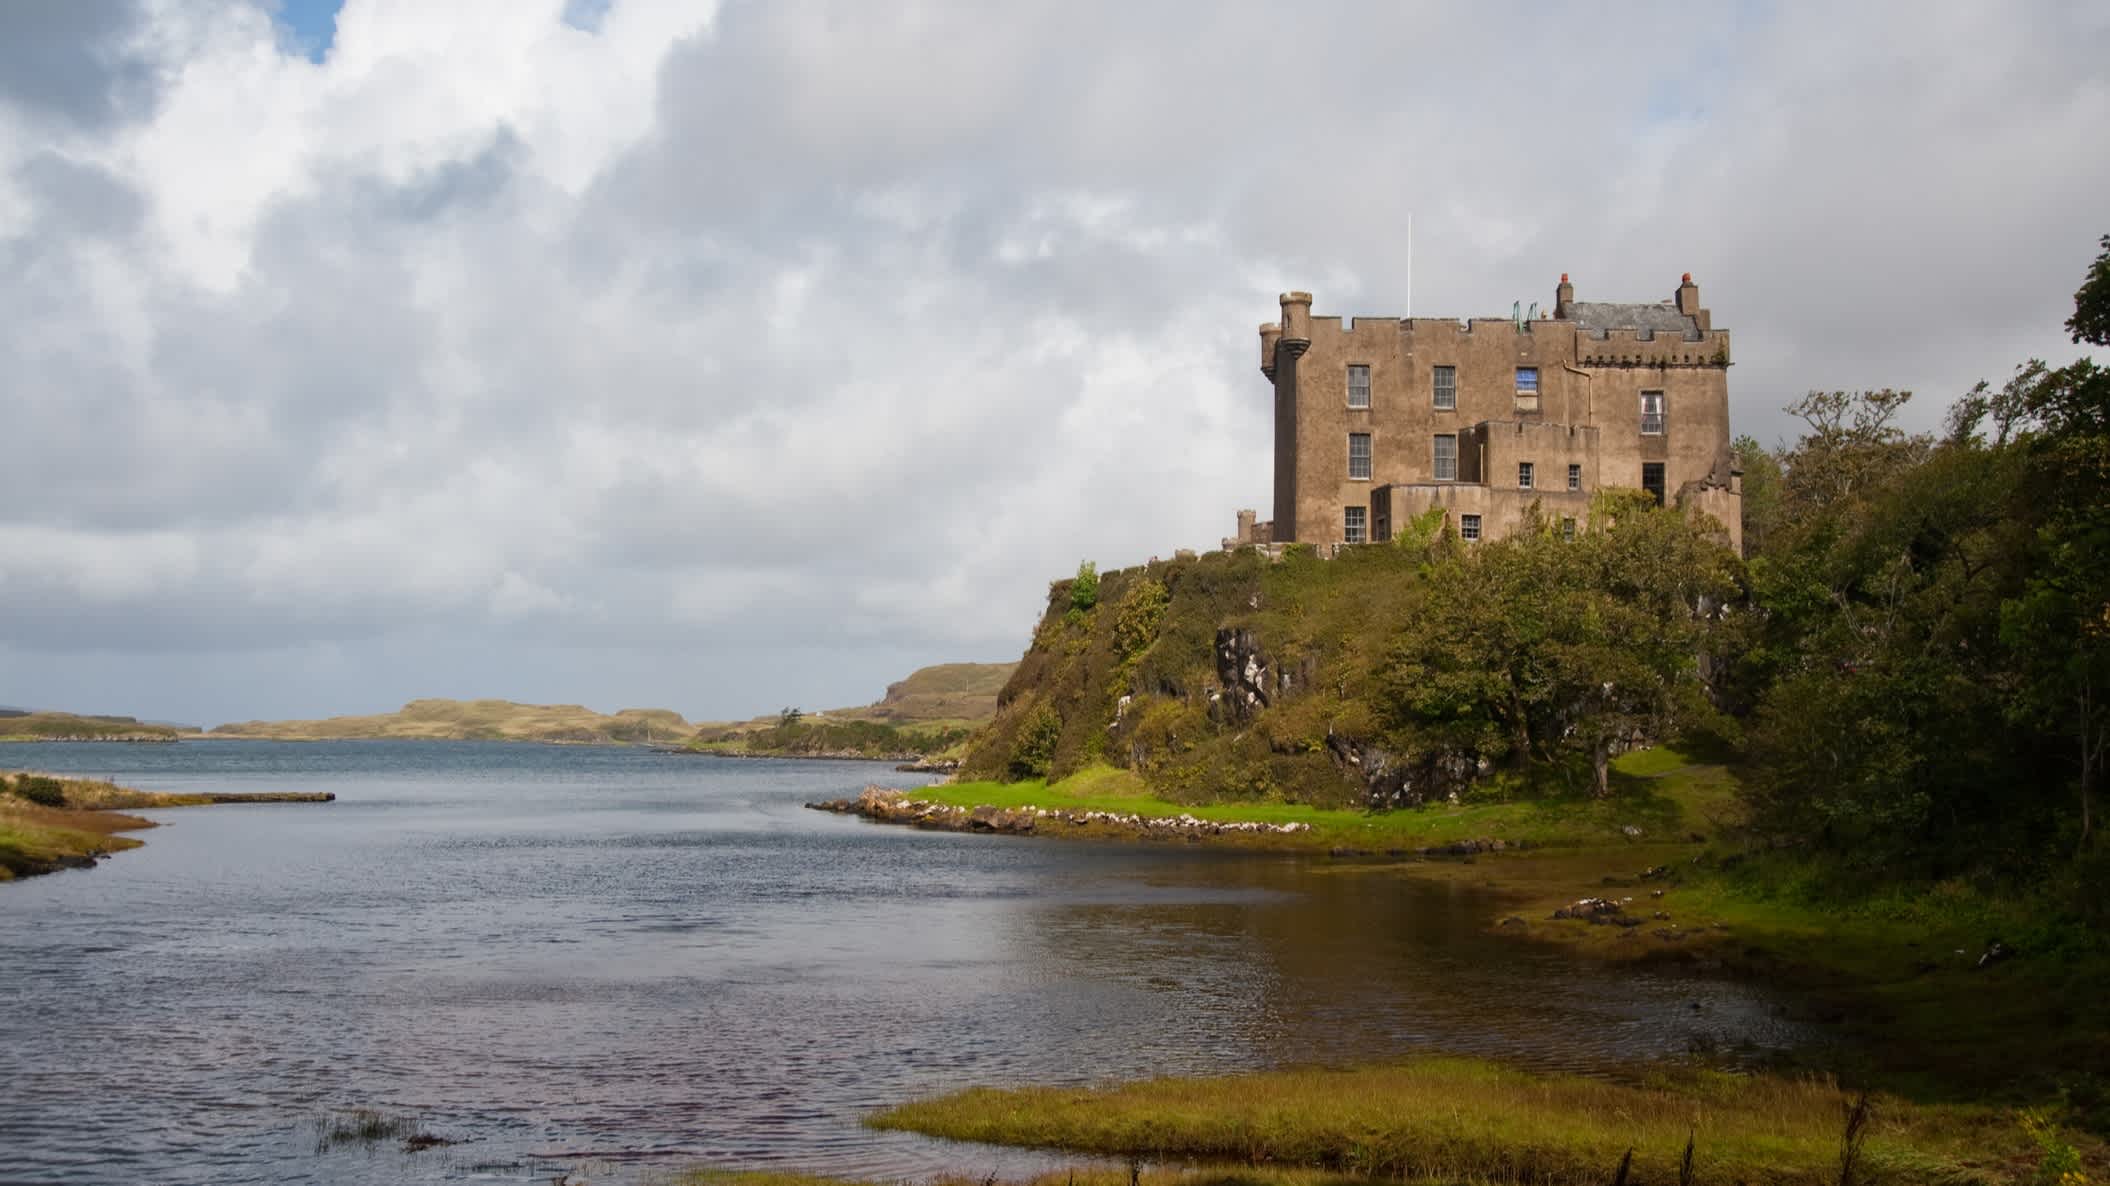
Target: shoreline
{"points": [[50, 823], [1943, 1000]]}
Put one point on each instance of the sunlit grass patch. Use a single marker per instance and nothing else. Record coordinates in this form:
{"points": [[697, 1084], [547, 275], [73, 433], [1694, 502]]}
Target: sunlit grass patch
{"points": [[37, 839], [1658, 794], [1459, 1120]]}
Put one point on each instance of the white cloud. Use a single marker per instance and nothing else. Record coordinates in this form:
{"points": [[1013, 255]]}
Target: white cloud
{"points": [[734, 358]]}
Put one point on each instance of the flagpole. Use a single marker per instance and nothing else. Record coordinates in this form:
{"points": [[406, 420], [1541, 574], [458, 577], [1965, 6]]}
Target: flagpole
{"points": [[1410, 263]]}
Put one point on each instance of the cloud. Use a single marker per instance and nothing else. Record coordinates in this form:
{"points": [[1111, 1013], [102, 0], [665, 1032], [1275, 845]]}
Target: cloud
{"points": [[739, 357], [74, 63]]}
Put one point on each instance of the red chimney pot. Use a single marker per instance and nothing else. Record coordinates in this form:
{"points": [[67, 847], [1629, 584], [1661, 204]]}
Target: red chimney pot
{"points": [[1687, 278], [1564, 277]]}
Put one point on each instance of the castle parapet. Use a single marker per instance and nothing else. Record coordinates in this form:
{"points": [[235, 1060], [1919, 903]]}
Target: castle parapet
{"points": [[1645, 348]]}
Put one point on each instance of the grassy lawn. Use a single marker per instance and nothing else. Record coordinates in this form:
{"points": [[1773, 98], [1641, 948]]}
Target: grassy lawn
{"points": [[1468, 1121], [1660, 792]]}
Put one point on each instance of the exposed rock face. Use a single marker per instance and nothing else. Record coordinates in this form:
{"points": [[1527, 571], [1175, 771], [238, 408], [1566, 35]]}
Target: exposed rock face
{"points": [[1243, 672]]}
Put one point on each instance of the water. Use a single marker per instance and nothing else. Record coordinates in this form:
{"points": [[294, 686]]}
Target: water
{"points": [[616, 963]]}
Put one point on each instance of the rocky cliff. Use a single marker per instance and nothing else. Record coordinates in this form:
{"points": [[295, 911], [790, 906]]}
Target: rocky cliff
{"points": [[1222, 676]]}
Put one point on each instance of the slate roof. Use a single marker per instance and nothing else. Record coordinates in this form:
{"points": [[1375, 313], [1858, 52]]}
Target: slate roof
{"points": [[1596, 317]]}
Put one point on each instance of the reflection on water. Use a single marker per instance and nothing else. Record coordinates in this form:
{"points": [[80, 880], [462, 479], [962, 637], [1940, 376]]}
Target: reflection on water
{"points": [[568, 956]]}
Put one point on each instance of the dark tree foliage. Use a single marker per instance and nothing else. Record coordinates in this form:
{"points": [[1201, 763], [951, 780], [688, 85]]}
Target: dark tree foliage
{"points": [[2090, 322], [1928, 667]]}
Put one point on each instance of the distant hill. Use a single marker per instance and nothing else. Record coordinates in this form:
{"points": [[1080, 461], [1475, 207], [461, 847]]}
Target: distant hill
{"points": [[66, 726], [964, 692], [932, 712], [478, 720]]}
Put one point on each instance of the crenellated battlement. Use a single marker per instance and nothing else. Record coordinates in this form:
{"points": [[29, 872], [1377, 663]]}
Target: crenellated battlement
{"points": [[1650, 348]]}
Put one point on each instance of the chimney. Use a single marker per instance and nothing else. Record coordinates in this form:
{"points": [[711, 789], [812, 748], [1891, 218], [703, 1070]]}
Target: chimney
{"points": [[1689, 304], [1563, 297], [1270, 333]]}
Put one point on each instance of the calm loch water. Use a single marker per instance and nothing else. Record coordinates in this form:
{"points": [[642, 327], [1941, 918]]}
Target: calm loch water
{"points": [[614, 963]]}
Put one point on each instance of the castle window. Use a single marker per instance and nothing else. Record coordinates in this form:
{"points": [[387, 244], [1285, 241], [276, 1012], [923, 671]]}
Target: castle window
{"points": [[1446, 468], [1567, 529], [1652, 479], [1574, 477], [1359, 456], [1353, 523], [1468, 527], [1358, 386], [1652, 414], [1447, 388], [1527, 380], [1524, 473]]}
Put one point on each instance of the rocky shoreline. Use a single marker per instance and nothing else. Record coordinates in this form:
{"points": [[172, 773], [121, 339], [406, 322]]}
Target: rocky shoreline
{"points": [[889, 806]]}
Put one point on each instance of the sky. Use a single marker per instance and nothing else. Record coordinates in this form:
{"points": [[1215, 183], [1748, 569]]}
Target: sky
{"points": [[728, 357]]}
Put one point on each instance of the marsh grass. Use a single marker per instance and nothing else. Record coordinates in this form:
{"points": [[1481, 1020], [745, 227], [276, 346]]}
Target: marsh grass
{"points": [[347, 1127], [36, 838], [49, 822], [1468, 1121]]}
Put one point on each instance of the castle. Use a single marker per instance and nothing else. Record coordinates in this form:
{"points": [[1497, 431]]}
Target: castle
{"points": [[1379, 419]]}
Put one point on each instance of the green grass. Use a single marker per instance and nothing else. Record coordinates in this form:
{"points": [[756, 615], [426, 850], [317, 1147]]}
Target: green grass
{"points": [[48, 822], [1660, 792], [36, 839], [1469, 1121]]}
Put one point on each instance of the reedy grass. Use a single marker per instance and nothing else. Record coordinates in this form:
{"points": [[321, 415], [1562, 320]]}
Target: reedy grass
{"points": [[1469, 1121]]}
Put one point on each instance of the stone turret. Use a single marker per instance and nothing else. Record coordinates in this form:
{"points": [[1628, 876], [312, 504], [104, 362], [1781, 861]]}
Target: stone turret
{"points": [[1563, 296], [1270, 333], [1296, 323]]}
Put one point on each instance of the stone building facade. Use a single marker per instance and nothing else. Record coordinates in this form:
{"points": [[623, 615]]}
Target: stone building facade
{"points": [[1378, 420]]}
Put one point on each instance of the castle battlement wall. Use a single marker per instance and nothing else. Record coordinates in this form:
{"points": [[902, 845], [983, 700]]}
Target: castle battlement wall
{"points": [[1649, 348]]}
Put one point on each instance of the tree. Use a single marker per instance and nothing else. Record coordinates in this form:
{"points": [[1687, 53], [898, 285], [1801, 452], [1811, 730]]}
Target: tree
{"points": [[1534, 647], [2090, 322], [1084, 590], [1763, 479]]}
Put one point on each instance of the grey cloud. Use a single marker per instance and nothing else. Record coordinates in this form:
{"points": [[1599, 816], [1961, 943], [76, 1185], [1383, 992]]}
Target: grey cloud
{"points": [[81, 197], [71, 60]]}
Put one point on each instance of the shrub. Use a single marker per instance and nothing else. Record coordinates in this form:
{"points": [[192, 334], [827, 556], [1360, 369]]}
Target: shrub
{"points": [[1034, 750], [45, 792], [1084, 591]]}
